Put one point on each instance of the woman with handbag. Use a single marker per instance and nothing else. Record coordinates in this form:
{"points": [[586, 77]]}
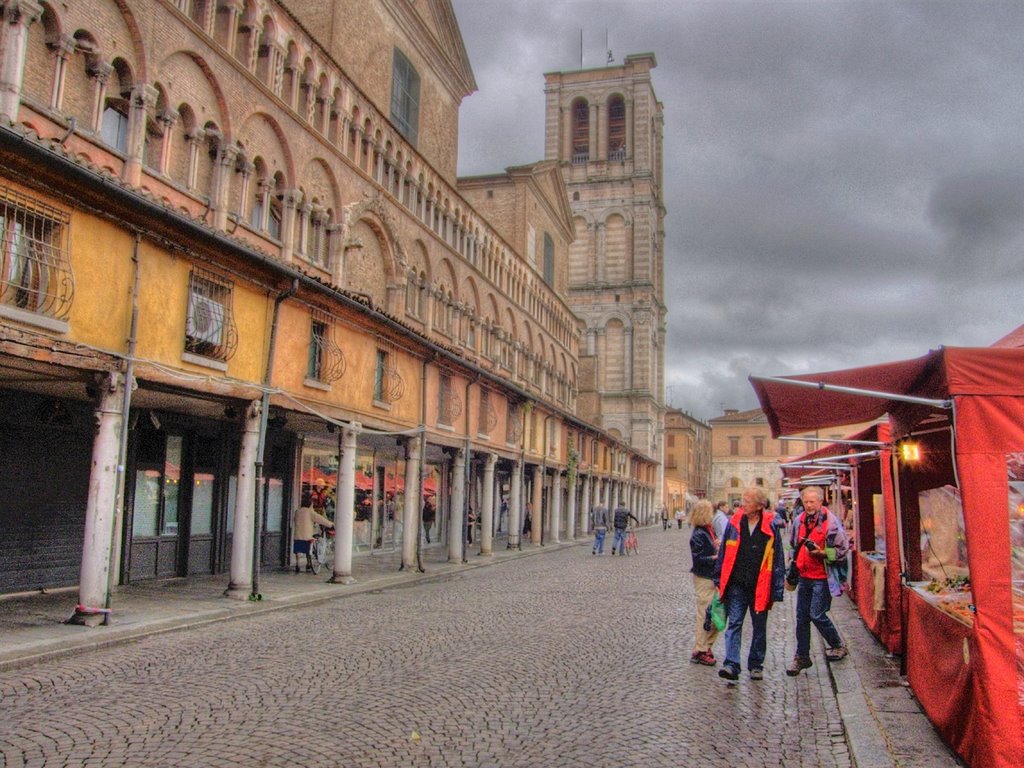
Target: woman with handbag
{"points": [[704, 552]]}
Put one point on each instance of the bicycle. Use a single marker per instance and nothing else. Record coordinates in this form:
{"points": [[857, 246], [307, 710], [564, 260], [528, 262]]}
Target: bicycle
{"points": [[322, 550], [630, 545]]}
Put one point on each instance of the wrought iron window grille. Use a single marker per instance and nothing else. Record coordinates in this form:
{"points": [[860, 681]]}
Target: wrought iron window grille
{"points": [[210, 329]]}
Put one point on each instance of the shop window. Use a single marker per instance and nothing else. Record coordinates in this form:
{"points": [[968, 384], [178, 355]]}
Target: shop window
{"points": [[35, 271], [210, 325], [405, 96]]}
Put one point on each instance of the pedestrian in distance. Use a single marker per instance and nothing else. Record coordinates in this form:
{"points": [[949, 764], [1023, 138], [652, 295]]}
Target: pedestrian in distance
{"points": [[620, 519], [704, 554], [303, 520], [719, 520], [679, 519], [749, 574], [664, 518], [429, 515], [820, 546], [599, 522], [528, 520]]}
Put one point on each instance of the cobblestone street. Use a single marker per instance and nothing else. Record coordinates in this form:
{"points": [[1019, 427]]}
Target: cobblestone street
{"points": [[563, 659]]}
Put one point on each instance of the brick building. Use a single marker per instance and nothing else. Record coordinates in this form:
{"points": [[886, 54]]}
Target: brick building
{"points": [[238, 266], [687, 459]]}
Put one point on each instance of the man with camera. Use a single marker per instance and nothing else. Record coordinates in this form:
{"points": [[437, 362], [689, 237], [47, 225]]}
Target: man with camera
{"points": [[819, 541]]}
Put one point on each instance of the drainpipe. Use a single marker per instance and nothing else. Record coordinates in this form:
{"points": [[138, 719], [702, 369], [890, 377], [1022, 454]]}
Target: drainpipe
{"points": [[257, 539], [122, 451]]}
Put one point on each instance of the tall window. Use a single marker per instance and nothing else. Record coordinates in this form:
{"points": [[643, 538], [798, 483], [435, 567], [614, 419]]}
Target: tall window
{"points": [[315, 364], [580, 131], [616, 129], [114, 129], [35, 274], [209, 324], [549, 259], [405, 97], [734, 446], [449, 407], [379, 376], [759, 446]]}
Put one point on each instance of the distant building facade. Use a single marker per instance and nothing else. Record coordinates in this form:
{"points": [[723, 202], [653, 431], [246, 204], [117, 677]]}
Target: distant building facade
{"points": [[687, 459]]}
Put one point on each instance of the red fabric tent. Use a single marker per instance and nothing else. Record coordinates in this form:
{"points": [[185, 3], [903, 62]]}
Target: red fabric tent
{"points": [[967, 678]]}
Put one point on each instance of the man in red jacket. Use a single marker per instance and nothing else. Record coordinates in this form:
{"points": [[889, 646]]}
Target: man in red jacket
{"points": [[749, 575]]}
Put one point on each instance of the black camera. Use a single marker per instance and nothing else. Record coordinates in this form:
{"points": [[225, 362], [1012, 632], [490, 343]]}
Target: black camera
{"points": [[811, 546]]}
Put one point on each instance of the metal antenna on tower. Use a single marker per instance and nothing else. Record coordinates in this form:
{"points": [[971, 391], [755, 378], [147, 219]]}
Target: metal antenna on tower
{"points": [[610, 57], [581, 47]]}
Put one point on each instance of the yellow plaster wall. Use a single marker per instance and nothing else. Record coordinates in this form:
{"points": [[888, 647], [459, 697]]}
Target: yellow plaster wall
{"points": [[101, 261]]}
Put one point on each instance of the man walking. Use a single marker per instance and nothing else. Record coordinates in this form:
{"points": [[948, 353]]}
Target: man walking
{"points": [[749, 574], [620, 521], [818, 540], [599, 522], [719, 520]]}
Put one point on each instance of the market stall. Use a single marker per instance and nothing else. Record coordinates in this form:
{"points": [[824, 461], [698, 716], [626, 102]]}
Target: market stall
{"points": [[864, 460], [957, 424]]}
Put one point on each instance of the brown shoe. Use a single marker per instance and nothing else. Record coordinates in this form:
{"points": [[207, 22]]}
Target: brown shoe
{"points": [[799, 663], [837, 654]]}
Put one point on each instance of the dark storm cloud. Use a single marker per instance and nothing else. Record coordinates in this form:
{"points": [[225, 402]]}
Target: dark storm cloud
{"points": [[844, 180]]}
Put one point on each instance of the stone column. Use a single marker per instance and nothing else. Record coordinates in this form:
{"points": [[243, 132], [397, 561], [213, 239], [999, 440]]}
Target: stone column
{"points": [[487, 506], [456, 510], [100, 512], [627, 358], [245, 507], [221, 188], [344, 514], [100, 73], [570, 512], [290, 201], [537, 504], [586, 504], [555, 505], [592, 128], [599, 260], [16, 17], [515, 506], [413, 502], [63, 48], [142, 98]]}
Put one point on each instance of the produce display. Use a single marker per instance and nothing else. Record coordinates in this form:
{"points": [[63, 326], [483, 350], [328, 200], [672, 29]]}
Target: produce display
{"points": [[952, 596]]}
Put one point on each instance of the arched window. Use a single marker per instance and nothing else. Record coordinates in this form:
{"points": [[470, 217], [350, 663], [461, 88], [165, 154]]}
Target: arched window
{"points": [[580, 131], [274, 215], [114, 122], [549, 260], [616, 129]]}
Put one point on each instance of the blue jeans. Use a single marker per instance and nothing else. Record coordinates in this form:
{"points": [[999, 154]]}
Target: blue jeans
{"points": [[599, 540], [738, 600], [619, 540], [813, 601]]}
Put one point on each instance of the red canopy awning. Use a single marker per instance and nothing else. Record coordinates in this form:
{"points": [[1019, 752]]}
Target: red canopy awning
{"points": [[942, 373], [832, 450]]}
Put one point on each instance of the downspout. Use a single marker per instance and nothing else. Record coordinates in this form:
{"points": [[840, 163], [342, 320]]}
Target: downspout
{"points": [[122, 451], [257, 539]]}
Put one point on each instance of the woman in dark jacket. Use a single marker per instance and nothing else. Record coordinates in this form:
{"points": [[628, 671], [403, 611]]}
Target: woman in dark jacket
{"points": [[704, 551]]}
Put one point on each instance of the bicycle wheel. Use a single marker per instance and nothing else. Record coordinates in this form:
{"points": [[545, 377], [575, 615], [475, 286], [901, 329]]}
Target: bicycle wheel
{"points": [[318, 554]]}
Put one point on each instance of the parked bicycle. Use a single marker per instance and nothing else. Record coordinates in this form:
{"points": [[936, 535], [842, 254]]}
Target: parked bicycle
{"points": [[322, 550], [630, 546]]}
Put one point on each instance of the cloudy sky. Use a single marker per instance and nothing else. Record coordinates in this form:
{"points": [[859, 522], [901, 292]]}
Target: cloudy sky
{"points": [[844, 180]]}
